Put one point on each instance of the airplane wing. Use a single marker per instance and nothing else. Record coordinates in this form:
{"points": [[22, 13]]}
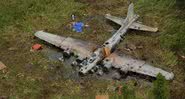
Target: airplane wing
{"points": [[135, 25], [126, 63], [81, 48]]}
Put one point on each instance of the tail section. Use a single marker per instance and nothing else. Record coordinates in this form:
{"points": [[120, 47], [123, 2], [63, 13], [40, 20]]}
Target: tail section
{"points": [[130, 16], [130, 13]]}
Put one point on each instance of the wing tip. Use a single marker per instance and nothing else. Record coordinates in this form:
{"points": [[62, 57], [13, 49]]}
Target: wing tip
{"points": [[170, 76], [38, 33], [107, 15], [155, 29]]}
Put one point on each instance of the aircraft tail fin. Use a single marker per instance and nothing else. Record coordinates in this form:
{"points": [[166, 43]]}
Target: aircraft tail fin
{"points": [[130, 13]]}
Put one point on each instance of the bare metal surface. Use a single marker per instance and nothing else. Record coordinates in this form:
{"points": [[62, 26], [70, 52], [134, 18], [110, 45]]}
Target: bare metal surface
{"points": [[79, 47]]}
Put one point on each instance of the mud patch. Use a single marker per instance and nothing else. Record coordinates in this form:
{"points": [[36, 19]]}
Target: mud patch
{"points": [[55, 55]]}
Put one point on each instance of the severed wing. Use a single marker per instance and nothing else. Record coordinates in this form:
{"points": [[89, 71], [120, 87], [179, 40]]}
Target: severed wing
{"points": [[81, 48], [126, 63], [135, 25]]}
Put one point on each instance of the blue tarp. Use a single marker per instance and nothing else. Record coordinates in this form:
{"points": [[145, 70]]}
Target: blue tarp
{"points": [[78, 27]]}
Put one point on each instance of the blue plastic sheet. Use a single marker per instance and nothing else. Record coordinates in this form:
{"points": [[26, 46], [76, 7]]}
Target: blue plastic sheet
{"points": [[78, 27]]}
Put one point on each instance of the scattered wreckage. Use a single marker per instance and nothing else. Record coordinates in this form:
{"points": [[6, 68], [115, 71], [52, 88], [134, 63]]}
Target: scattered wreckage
{"points": [[92, 58]]}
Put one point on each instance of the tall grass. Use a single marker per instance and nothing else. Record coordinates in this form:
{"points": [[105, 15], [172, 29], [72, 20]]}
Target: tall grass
{"points": [[172, 26]]}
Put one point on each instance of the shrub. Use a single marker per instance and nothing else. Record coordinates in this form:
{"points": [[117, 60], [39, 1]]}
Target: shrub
{"points": [[160, 88]]}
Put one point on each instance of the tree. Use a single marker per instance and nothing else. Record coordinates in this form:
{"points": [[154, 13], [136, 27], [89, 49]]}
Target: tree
{"points": [[160, 88]]}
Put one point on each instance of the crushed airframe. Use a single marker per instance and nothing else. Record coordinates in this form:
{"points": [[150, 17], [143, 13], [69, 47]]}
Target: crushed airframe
{"points": [[92, 58]]}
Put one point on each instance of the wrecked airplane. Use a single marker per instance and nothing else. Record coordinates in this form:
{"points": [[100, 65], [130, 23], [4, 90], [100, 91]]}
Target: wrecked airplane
{"points": [[92, 58]]}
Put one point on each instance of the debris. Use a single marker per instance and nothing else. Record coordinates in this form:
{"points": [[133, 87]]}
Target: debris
{"points": [[36, 47], [73, 17], [130, 47], [2, 66], [140, 47], [20, 75], [183, 57], [61, 59], [87, 25], [12, 49], [78, 27]]}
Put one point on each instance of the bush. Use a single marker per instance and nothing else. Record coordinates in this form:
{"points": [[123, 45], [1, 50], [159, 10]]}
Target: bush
{"points": [[160, 88]]}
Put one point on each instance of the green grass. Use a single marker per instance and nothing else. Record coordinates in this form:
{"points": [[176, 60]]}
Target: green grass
{"points": [[29, 73]]}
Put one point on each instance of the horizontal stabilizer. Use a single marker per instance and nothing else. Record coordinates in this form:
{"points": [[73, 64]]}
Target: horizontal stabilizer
{"points": [[138, 26], [135, 25]]}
